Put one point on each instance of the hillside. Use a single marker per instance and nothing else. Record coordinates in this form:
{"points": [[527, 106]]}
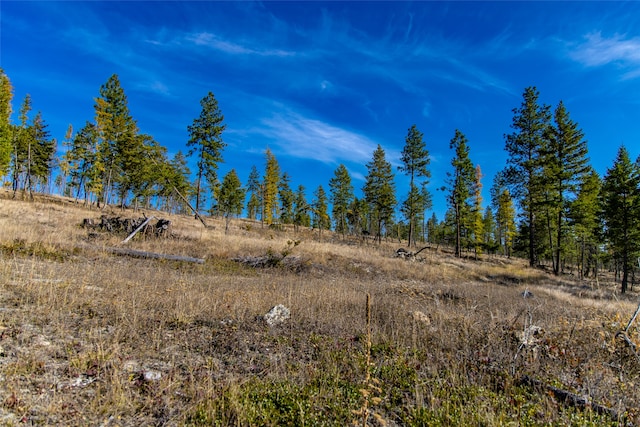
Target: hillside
{"points": [[91, 337]]}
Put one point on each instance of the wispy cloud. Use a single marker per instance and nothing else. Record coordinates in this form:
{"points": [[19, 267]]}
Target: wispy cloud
{"points": [[298, 136], [216, 42], [597, 51]]}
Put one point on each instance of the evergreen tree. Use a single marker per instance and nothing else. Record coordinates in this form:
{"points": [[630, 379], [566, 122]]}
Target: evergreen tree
{"points": [[620, 202], [415, 159], [461, 182], [231, 197], [64, 164], [477, 224], [321, 219], [525, 148], [565, 166], [432, 229], [118, 141], [81, 158], [6, 130], [205, 141], [489, 231], [286, 196], [341, 192], [147, 171], [427, 203], [254, 187], [379, 191], [41, 152], [301, 216], [502, 202], [356, 216], [270, 188], [583, 215], [22, 139]]}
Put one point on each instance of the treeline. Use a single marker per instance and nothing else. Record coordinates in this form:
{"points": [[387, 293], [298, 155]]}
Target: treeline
{"points": [[568, 215]]}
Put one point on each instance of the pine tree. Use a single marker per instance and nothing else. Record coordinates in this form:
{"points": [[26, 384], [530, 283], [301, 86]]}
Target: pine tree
{"points": [[270, 188], [620, 202], [460, 182], [525, 148], [254, 188], [41, 152], [427, 203], [432, 229], [80, 158], [477, 225], [205, 141], [356, 216], [415, 159], [286, 196], [583, 215], [231, 197], [118, 140], [341, 194], [379, 191], [565, 166], [321, 219], [6, 130], [301, 216], [489, 231], [21, 143], [505, 214], [65, 166]]}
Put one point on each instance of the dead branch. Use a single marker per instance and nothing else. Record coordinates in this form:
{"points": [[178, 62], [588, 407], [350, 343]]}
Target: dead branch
{"points": [[140, 227], [153, 255], [568, 398]]}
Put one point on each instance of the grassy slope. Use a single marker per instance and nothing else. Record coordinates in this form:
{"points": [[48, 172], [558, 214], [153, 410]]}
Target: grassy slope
{"points": [[99, 339]]}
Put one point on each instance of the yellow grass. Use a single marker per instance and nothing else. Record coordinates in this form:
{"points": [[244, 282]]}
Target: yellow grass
{"points": [[81, 327]]}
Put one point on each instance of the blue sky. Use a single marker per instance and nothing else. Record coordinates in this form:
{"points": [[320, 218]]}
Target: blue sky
{"points": [[323, 83]]}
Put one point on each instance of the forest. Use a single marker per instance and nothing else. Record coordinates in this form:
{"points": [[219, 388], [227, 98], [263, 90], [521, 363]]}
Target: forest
{"points": [[547, 205]]}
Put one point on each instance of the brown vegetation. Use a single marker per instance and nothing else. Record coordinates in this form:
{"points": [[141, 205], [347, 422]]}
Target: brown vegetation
{"points": [[95, 338]]}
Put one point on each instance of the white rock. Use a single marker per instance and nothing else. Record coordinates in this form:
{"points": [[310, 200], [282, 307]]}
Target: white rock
{"points": [[277, 315], [152, 375]]}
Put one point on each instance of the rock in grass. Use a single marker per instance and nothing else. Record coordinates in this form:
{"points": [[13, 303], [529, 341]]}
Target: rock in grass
{"points": [[527, 294], [277, 315]]}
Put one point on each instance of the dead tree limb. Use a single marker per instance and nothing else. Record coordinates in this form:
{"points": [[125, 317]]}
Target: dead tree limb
{"points": [[130, 236], [153, 255], [624, 334], [184, 199], [568, 398]]}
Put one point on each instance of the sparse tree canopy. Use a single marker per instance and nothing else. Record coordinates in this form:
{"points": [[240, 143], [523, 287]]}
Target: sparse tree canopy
{"points": [[206, 144], [415, 159]]}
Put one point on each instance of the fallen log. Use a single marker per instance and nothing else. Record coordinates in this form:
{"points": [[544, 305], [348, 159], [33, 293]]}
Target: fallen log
{"points": [[570, 399], [153, 255]]}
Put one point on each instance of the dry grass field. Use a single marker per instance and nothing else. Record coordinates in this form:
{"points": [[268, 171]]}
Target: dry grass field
{"points": [[89, 337]]}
